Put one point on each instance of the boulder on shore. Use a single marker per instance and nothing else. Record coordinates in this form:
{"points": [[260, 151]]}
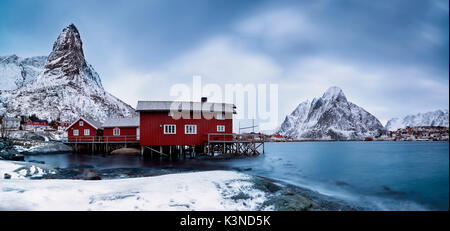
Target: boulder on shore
{"points": [[132, 151]]}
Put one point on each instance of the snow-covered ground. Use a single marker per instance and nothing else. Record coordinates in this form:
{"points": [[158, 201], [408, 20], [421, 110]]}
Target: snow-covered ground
{"points": [[22, 170], [211, 190], [42, 147]]}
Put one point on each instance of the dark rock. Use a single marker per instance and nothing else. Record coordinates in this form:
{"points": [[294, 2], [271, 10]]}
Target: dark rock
{"points": [[265, 185], [18, 157], [33, 136], [37, 161], [92, 176], [7, 176]]}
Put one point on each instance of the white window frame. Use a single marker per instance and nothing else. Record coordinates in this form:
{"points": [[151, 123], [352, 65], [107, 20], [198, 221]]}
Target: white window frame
{"points": [[87, 132], [170, 129], [81, 123], [138, 133], [75, 132], [116, 131], [220, 116], [220, 128], [190, 129]]}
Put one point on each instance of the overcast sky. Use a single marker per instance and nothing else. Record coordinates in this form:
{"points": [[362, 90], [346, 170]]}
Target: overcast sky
{"points": [[389, 57]]}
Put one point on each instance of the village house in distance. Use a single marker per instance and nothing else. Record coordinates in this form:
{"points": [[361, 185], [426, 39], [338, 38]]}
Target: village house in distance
{"points": [[197, 127]]}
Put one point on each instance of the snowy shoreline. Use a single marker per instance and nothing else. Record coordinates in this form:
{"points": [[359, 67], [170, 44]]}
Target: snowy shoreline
{"points": [[206, 190]]}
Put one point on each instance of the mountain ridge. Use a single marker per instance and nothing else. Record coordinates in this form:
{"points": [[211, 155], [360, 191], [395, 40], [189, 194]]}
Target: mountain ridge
{"points": [[432, 118], [330, 117], [67, 88]]}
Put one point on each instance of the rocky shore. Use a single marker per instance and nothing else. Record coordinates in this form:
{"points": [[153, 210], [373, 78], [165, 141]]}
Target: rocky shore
{"points": [[15, 149]]}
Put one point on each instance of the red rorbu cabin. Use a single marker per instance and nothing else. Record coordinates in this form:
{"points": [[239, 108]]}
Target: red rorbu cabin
{"points": [[84, 131], [184, 123], [121, 130]]}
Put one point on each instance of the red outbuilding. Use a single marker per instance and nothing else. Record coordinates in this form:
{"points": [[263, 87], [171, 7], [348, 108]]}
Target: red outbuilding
{"points": [[84, 130], [121, 130], [184, 123]]}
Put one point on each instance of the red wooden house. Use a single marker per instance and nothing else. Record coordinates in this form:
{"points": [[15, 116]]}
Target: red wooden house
{"points": [[121, 130], [184, 123], [35, 125], [84, 130]]}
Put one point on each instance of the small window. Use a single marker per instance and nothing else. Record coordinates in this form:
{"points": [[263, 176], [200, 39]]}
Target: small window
{"points": [[86, 132], [81, 123], [75, 132], [116, 132], [190, 129], [220, 116], [170, 129], [220, 128]]}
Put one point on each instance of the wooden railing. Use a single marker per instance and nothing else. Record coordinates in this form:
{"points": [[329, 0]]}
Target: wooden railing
{"points": [[102, 139], [234, 137]]}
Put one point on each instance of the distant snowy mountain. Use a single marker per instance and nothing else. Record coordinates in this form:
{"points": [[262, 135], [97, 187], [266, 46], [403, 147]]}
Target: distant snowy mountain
{"points": [[330, 117], [432, 118], [16, 72], [68, 87]]}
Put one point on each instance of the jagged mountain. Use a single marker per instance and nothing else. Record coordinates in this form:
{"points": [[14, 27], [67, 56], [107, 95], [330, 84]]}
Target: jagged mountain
{"points": [[432, 118], [68, 87], [15, 72], [330, 117]]}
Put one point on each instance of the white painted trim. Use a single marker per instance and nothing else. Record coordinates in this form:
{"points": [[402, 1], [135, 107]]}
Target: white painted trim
{"points": [[81, 118]]}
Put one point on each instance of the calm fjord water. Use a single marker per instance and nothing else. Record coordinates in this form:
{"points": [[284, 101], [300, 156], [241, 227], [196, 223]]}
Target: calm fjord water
{"points": [[375, 175]]}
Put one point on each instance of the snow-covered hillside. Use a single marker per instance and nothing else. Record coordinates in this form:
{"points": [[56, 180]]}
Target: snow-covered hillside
{"points": [[432, 118], [330, 117], [68, 87], [16, 72]]}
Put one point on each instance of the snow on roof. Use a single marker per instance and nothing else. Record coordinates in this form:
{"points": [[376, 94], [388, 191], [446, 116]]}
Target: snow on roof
{"points": [[94, 123], [121, 122], [184, 105]]}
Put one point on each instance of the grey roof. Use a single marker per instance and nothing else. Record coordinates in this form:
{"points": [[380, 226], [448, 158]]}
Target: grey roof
{"points": [[12, 118], [185, 105], [94, 123], [121, 122]]}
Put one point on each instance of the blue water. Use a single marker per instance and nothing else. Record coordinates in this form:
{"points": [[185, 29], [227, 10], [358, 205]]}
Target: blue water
{"points": [[377, 175], [374, 175]]}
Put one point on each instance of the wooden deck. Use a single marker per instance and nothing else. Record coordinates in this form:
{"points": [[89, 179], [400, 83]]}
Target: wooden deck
{"points": [[236, 144], [216, 144]]}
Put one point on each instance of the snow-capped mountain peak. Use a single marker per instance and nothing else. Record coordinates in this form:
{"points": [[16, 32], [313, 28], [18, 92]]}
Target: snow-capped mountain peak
{"points": [[67, 88], [67, 59], [334, 93], [330, 117]]}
